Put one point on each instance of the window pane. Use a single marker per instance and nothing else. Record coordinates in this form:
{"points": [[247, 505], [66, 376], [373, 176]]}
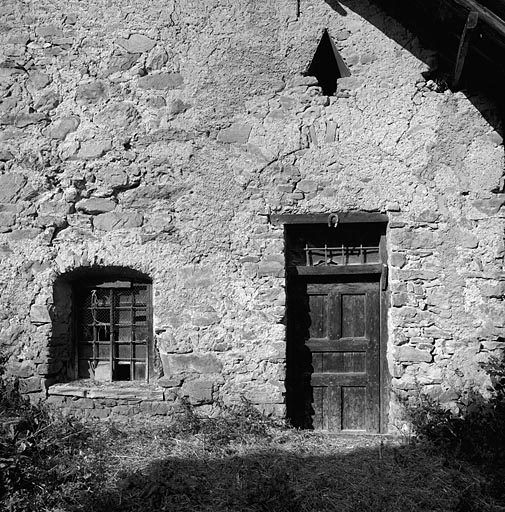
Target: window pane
{"points": [[140, 316], [122, 333], [140, 352], [123, 316], [123, 297], [140, 333], [101, 315], [140, 295], [140, 371], [102, 333], [123, 351], [121, 371], [104, 352], [100, 297]]}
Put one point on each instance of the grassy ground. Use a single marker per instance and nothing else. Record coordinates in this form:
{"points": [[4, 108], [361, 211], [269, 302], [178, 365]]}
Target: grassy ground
{"points": [[240, 463]]}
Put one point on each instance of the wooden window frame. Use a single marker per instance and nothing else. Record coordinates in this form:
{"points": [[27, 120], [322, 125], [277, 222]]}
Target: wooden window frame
{"points": [[112, 283]]}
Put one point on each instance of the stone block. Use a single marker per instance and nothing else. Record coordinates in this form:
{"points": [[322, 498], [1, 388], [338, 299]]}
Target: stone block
{"points": [[494, 290], [410, 354], [95, 205], [136, 43], [58, 401], [490, 206], [82, 403], [348, 83], [156, 60], [22, 369], [237, 133], [7, 220], [63, 126], [121, 62], [270, 268], [98, 413], [118, 220], [53, 213], [177, 364], [91, 93], [205, 319], [39, 314], [5, 155], [23, 120], [398, 259], [47, 101], [120, 115], [49, 368], [264, 394], [66, 390], [169, 382], [198, 391], [161, 81], [93, 149], [11, 186], [161, 409], [39, 80], [307, 186], [48, 31], [30, 385]]}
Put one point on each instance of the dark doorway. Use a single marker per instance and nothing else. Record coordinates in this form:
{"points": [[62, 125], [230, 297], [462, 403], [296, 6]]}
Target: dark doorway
{"points": [[335, 284]]}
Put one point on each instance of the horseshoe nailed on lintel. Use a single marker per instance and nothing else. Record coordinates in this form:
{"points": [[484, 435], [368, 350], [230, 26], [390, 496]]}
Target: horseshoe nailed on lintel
{"points": [[333, 220]]}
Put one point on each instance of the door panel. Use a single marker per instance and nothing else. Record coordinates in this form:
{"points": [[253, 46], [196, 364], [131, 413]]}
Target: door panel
{"points": [[339, 354]]}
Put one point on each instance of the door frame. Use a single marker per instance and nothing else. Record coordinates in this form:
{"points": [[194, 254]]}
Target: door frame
{"points": [[381, 268]]}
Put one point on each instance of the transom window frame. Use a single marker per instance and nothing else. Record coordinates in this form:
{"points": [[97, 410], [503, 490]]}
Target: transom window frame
{"points": [[117, 364]]}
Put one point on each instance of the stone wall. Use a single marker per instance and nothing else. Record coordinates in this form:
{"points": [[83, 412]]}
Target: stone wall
{"points": [[159, 136]]}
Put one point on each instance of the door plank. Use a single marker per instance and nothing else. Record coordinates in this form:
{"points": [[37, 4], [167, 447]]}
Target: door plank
{"points": [[354, 403], [340, 345], [335, 379]]}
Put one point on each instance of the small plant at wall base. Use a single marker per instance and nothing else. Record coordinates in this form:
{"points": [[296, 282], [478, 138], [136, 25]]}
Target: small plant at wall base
{"points": [[476, 434]]}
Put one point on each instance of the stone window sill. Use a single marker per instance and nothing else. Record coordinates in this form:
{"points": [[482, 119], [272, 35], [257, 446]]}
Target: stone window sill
{"points": [[108, 390]]}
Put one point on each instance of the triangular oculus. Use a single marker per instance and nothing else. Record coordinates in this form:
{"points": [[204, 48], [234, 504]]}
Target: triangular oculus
{"points": [[327, 65]]}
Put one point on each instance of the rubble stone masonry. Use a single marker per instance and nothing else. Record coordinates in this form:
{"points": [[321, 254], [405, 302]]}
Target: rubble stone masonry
{"points": [[159, 136]]}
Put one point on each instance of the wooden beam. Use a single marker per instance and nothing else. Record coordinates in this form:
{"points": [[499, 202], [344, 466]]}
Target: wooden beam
{"points": [[328, 270], [322, 218], [486, 15], [464, 43]]}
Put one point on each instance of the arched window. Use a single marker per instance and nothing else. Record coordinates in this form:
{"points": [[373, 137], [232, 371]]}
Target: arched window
{"points": [[111, 334]]}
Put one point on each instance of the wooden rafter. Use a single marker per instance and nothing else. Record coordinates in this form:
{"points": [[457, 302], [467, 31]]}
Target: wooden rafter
{"points": [[486, 15], [471, 23]]}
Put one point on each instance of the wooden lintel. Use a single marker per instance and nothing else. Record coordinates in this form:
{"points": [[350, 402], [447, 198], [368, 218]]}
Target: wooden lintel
{"points": [[464, 43], [486, 15], [369, 268], [322, 218]]}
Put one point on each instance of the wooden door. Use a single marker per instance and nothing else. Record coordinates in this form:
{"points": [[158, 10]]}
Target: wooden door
{"points": [[339, 353]]}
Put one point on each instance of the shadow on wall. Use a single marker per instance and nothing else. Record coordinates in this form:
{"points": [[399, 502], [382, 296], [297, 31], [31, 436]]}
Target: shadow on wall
{"points": [[477, 90]]}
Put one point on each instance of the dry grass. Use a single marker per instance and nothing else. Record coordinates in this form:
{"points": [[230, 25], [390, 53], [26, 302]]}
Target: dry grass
{"points": [[241, 464], [142, 468]]}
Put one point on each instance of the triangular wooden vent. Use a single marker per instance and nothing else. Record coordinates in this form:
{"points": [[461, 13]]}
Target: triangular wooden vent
{"points": [[327, 65]]}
